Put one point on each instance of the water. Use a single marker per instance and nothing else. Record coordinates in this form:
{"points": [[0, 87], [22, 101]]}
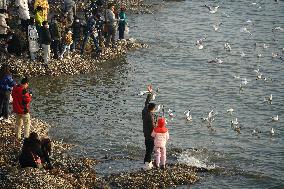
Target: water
{"points": [[101, 114]]}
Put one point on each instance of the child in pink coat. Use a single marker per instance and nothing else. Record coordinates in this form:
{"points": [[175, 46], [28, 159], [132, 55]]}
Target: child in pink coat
{"points": [[161, 136]]}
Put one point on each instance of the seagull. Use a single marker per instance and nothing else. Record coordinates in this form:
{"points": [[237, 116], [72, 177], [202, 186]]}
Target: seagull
{"points": [[170, 112], [230, 111], [259, 75], [276, 118], [199, 43], [241, 88], [254, 132], [242, 54], [212, 9], [272, 132], [269, 99], [248, 21], [158, 108], [216, 60], [259, 55], [216, 26], [141, 93], [188, 116], [274, 55], [234, 122], [245, 30], [244, 81], [210, 117], [227, 47], [265, 46], [236, 77], [278, 28]]}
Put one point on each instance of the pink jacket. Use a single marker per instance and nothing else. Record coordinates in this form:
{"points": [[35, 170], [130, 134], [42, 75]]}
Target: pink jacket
{"points": [[160, 133]]}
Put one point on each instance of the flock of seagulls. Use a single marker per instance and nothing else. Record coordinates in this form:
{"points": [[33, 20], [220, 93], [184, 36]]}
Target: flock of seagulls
{"points": [[210, 116]]}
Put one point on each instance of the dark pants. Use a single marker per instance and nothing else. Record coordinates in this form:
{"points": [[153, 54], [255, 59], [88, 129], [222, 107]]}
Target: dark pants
{"points": [[111, 30], [4, 104], [121, 29], [149, 143], [75, 43], [86, 38], [55, 47]]}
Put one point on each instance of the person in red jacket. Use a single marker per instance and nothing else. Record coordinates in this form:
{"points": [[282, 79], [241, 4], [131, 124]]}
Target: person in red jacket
{"points": [[21, 106]]}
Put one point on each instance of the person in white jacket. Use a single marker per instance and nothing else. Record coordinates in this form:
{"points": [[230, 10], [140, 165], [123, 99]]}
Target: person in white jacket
{"points": [[3, 4], [33, 39], [23, 11], [3, 24]]}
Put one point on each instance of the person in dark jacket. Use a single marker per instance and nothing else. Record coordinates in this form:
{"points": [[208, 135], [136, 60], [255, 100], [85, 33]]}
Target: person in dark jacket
{"points": [[45, 41], [77, 32], [148, 126], [34, 152], [6, 84], [14, 44], [91, 31], [55, 33], [121, 23]]}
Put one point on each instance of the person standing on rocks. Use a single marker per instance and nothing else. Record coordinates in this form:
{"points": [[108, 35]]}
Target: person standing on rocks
{"points": [[69, 9], [67, 41], [148, 126], [77, 32], [33, 39], [161, 136], [45, 7], [122, 22], [111, 23], [91, 31], [21, 106], [45, 41], [24, 14], [3, 24], [6, 85], [55, 32]]}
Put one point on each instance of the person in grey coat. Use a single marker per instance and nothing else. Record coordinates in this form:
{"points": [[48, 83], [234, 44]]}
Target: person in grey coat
{"points": [[69, 9], [111, 24]]}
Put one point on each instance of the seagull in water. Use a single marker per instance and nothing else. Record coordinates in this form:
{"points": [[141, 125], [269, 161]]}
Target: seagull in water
{"points": [[230, 111], [242, 54], [276, 118], [274, 55], [245, 30], [210, 117], [216, 26], [212, 9], [259, 75], [216, 60], [199, 43], [171, 113], [277, 29], [272, 132], [269, 99], [265, 46], [235, 126], [227, 47], [188, 115]]}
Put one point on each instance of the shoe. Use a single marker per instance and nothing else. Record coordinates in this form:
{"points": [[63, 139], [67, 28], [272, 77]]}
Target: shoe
{"points": [[148, 165], [8, 121]]}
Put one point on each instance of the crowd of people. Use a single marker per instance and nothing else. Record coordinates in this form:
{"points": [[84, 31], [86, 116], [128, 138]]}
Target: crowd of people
{"points": [[43, 32]]}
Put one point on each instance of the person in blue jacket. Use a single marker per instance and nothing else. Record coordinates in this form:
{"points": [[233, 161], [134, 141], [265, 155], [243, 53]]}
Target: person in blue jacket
{"points": [[122, 22], [6, 84]]}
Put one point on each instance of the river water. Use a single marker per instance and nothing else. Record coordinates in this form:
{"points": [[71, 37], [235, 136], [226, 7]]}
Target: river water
{"points": [[100, 113]]}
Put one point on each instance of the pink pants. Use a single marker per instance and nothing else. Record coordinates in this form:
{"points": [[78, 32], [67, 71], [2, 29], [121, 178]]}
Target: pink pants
{"points": [[160, 155]]}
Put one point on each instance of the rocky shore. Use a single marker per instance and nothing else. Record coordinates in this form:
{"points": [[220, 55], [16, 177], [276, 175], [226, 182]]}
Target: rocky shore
{"points": [[77, 172], [23, 66]]}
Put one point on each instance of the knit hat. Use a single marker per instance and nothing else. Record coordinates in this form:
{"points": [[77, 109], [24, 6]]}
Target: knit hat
{"points": [[161, 128]]}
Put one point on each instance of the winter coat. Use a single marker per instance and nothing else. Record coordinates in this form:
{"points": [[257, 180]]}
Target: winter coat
{"points": [[33, 38], [148, 120], [110, 18], [6, 83], [45, 6], [30, 149], [21, 100], [23, 9], [38, 18], [15, 45], [3, 24], [122, 18], [68, 5], [55, 31], [160, 134], [77, 29], [3, 4], [45, 36], [91, 25]]}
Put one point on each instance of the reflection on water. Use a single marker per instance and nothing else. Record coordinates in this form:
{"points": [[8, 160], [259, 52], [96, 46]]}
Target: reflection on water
{"points": [[100, 113]]}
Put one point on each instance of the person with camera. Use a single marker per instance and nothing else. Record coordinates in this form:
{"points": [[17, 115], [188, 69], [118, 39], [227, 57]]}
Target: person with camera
{"points": [[21, 107]]}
